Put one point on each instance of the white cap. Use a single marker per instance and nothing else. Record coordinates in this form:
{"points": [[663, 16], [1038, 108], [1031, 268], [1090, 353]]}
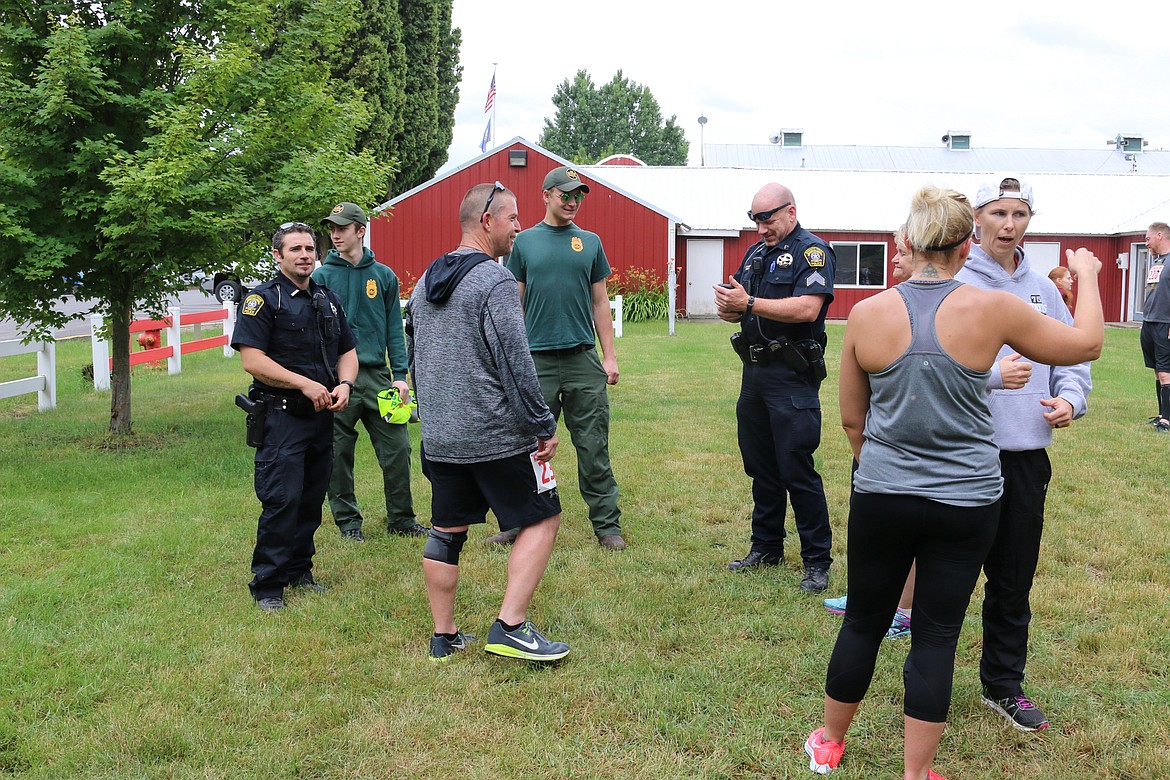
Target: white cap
{"points": [[993, 190]]}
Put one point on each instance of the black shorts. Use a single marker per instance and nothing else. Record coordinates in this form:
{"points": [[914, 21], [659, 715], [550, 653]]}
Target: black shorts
{"points": [[1156, 345], [462, 493]]}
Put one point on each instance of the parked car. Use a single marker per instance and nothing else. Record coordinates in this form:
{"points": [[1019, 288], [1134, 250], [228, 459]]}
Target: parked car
{"points": [[225, 287]]}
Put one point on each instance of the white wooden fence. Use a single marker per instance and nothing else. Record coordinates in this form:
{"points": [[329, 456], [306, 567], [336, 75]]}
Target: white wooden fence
{"points": [[44, 384]]}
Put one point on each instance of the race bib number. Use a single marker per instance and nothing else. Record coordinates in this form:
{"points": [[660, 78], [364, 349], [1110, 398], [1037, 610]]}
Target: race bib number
{"points": [[546, 480], [1154, 274]]}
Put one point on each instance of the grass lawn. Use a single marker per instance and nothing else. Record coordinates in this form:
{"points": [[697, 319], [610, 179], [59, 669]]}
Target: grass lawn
{"points": [[129, 646]]}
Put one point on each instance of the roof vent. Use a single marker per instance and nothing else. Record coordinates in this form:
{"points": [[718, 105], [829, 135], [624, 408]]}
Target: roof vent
{"points": [[957, 140], [1128, 142], [787, 137]]}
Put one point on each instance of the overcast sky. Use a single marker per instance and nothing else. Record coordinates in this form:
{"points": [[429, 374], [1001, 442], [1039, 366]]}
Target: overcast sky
{"points": [[1013, 74]]}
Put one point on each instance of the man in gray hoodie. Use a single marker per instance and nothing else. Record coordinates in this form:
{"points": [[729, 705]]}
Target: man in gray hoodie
{"points": [[487, 434], [1052, 397]]}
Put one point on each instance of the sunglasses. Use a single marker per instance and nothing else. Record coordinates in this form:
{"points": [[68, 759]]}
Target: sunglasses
{"points": [[568, 196], [764, 216], [497, 187], [297, 226]]}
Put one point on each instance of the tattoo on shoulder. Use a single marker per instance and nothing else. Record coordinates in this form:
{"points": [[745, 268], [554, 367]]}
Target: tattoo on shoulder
{"points": [[929, 271]]}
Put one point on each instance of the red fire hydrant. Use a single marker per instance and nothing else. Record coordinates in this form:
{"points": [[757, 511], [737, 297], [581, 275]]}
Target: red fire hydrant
{"points": [[149, 339]]}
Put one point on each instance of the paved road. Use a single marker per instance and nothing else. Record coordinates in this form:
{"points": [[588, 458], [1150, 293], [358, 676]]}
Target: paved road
{"points": [[188, 301]]}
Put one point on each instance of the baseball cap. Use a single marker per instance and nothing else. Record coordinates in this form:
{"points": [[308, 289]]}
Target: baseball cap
{"points": [[993, 190], [564, 179], [347, 213]]}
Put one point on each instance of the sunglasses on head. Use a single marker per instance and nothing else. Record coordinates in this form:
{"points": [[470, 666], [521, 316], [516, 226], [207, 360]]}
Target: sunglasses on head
{"points": [[497, 187], [568, 196], [764, 216], [298, 226]]}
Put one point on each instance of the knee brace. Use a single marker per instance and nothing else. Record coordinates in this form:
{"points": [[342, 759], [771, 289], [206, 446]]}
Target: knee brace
{"points": [[444, 547]]}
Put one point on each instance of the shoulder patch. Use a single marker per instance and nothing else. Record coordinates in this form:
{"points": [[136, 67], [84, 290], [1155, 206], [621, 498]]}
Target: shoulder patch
{"points": [[252, 305], [815, 257], [577, 244], [371, 288]]}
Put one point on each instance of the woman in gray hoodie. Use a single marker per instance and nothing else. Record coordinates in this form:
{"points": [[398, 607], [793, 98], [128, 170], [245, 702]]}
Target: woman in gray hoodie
{"points": [[1052, 397]]}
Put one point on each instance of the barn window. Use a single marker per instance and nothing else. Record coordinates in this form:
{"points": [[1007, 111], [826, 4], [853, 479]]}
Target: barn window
{"points": [[860, 264]]}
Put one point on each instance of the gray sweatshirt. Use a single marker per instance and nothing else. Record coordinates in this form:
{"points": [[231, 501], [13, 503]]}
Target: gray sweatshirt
{"points": [[1018, 414], [478, 396]]}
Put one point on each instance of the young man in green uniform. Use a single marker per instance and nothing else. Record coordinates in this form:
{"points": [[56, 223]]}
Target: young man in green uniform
{"points": [[562, 271], [369, 292]]}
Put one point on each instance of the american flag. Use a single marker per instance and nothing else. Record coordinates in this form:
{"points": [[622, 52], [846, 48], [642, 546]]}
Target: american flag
{"points": [[491, 98]]}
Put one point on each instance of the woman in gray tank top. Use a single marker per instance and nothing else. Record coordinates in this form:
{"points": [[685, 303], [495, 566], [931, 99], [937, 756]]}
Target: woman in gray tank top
{"points": [[914, 369]]}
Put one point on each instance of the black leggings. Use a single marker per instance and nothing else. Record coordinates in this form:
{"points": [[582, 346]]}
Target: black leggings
{"points": [[886, 534]]}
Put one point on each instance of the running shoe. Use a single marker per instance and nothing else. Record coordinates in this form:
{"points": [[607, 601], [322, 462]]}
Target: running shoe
{"points": [[1162, 426], [837, 605], [933, 775], [1019, 711], [823, 756], [526, 642], [443, 648], [900, 627]]}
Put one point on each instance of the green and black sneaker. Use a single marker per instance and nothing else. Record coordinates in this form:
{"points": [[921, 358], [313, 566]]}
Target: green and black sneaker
{"points": [[526, 643]]}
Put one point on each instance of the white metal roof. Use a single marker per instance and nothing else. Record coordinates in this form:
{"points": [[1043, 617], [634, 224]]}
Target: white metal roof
{"points": [[926, 159], [711, 198]]}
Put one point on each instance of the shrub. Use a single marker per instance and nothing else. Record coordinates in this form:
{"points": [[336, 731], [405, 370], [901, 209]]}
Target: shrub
{"points": [[644, 295]]}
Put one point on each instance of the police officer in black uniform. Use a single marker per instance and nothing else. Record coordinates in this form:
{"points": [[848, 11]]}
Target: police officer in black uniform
{"points": [[295, 342], [780, 295]]}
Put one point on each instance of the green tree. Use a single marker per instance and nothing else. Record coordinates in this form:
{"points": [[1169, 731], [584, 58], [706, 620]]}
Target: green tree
{"points": [[622, 117], [431, 90], [140, 142], [403, 60]]}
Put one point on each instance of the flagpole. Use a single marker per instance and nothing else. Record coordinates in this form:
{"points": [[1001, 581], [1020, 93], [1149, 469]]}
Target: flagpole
{"points": [[494, 65]]}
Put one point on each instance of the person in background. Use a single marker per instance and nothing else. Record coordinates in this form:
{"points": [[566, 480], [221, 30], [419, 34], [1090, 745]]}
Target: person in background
{"points": [[1155, 335], [369, 292], [914, 370], [1063, 280], [562, 270]]}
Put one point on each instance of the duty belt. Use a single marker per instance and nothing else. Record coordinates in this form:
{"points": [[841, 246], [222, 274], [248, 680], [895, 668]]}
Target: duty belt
{"points": [[296, 405]]}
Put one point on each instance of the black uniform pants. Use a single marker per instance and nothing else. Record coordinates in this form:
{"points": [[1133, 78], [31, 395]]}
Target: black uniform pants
{"points": [[292, 474], [779, 421], [1010, 568]]}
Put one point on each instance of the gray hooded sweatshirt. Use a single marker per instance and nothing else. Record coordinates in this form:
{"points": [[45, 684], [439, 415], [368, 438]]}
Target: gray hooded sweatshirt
{"points": [[478, 396], [1018, 414]]}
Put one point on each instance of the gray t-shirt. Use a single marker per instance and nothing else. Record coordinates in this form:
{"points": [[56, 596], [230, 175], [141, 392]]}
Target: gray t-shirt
{"points": [[1157, 305]]}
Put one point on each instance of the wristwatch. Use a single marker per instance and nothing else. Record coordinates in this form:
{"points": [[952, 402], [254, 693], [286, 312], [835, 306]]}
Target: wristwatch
{"points": [[751, 303], [347, 382]]}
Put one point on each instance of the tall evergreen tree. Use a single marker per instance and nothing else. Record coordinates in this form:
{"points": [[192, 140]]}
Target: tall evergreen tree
{"points": [[403, 60], [622, 117]]}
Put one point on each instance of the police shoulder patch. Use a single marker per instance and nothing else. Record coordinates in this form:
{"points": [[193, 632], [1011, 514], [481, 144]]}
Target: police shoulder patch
{"points": [[252, 305], [815, 257]]}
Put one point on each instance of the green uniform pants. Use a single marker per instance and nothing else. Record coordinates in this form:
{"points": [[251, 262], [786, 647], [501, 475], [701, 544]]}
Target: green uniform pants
{"points": [[575, 384], [391, 445]]}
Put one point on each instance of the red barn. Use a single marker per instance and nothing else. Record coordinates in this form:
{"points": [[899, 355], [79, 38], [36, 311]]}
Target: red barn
{"points": [[413, 229]]}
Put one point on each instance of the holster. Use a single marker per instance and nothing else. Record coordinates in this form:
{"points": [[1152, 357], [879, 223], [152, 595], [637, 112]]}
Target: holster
{"points": [[257, 412], [741, 347], [813, 352]]}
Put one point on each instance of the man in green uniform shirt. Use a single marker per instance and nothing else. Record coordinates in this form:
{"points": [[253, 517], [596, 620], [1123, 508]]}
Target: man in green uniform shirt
{"points": [[369, 292], [562, 271]]}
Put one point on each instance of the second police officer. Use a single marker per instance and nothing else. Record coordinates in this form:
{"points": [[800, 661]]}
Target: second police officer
{"points": [[780, 296], [294, 340]]}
